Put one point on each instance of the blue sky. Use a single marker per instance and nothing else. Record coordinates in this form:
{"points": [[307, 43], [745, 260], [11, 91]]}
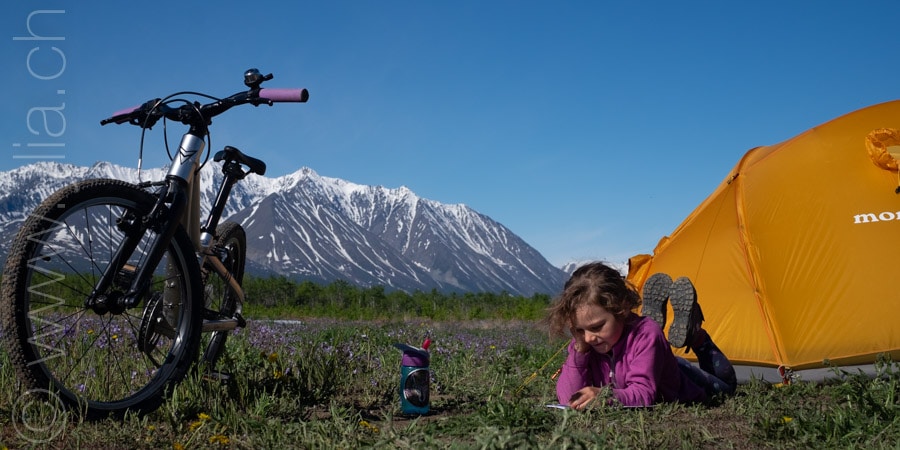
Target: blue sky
{"points": [[589, 128]]}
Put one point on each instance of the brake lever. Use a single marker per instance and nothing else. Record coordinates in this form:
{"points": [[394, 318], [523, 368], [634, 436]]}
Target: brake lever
{"points": [[148, 114]]}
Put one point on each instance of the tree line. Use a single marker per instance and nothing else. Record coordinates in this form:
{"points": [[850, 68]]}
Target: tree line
{"points": [[280, 296]]}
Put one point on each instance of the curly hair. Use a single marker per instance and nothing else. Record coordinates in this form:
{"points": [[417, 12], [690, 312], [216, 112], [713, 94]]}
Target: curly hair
{"points": [[593, 283]]}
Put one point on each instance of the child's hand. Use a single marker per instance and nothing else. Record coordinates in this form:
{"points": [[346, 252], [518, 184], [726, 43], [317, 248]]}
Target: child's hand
{"points": [[580, 345], [584, 397]]}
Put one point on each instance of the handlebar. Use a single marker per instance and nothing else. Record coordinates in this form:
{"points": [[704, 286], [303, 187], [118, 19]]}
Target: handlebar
{"points": [[147, 114]]}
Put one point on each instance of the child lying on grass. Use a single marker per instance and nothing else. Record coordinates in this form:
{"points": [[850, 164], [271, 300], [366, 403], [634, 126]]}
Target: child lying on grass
{"points": [[614, 347]]}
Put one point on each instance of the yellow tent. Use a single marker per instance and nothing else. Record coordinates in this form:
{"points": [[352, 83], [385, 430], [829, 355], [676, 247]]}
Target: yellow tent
{"points": [[796, 255]]}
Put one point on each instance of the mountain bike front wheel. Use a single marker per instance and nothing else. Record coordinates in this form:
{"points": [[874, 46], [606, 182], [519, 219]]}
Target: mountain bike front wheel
{"points": [[98, 362]]}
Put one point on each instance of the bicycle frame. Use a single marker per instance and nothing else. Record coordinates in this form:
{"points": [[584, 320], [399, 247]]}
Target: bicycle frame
{"points": [[182, 193], [178, 200]]}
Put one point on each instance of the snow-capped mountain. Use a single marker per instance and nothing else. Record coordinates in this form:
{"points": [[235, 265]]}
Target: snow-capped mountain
{"points": [[570, 267], [317, 228]]}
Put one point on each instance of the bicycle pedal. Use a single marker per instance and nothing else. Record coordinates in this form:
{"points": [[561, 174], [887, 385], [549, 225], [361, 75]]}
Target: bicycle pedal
{"points": [[241, 321]]}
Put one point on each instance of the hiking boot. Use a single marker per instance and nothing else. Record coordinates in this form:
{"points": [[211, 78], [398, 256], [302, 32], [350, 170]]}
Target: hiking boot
{"points": [[688, 315], [656, 294]]}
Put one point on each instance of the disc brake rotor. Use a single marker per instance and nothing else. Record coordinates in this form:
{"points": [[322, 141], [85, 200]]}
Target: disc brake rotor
{"points": [[154, 327]]}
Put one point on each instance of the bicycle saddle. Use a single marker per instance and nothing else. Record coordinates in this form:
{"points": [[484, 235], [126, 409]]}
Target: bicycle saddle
{"points": [[232, 154]]}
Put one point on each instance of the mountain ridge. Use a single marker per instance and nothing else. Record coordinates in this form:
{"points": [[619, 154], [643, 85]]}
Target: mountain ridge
{"points": [[310, 227]]}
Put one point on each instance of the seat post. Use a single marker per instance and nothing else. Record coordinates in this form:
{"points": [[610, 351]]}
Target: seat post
{"points": [[232, 174]]}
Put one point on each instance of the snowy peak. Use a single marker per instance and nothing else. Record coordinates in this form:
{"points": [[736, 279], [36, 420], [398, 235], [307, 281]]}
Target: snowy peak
{"points": [[306, 226]]}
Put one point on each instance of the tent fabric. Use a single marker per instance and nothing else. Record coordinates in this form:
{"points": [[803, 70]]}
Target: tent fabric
{"points": [[796, 254]]}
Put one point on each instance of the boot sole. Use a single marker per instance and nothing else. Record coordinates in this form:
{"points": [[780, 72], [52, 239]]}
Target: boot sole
{"points": [[656, 293], [682, 297]]}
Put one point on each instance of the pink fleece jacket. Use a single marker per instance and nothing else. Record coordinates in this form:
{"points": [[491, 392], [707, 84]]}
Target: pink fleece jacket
{"points": [[640, 367]]}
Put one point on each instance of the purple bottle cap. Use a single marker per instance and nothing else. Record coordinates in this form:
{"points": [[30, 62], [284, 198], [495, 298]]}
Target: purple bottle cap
{"points": [[413, 356]]}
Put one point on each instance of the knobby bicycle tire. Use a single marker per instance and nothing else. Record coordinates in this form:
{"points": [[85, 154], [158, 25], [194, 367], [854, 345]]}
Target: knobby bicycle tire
{"points": [[231, 240], [97, 364]]}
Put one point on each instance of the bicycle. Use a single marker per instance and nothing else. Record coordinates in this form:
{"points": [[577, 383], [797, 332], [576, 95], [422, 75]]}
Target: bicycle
{"points": [[109, 285]]}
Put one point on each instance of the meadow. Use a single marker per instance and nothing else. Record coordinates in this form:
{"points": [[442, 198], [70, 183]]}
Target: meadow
{"points": [[331, 381]]}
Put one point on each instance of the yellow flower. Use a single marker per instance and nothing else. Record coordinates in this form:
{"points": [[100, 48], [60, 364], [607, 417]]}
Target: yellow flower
{"points": [[90, 331], [151, 427], [368, 426], [177, 446], [219, 439], [203, 416], [195, 424], [273, 357], [276, 374], [115, 337], [786, 419]]}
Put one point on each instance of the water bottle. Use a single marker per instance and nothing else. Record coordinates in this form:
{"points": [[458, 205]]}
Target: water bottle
{"points": [[415, 377]]}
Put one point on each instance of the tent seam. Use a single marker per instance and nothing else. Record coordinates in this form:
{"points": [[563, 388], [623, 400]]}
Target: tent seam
{"points": [[752, 265]]}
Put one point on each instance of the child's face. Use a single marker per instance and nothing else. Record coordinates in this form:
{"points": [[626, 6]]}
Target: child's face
{"points": [[597, 326]]}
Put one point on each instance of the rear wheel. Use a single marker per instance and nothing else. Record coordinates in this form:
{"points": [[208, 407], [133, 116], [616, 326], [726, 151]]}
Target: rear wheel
{"points": [[221, 302], [99, 362]]}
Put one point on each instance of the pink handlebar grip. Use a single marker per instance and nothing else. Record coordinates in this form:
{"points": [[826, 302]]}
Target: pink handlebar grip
{"points": [[125, 111], [284, 95]]}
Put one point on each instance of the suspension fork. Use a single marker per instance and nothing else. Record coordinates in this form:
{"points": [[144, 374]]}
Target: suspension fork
{"points": [[162, 218]]}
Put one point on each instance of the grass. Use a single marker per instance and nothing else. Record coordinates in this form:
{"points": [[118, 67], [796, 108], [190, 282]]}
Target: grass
{"points": [[325, 383]]}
